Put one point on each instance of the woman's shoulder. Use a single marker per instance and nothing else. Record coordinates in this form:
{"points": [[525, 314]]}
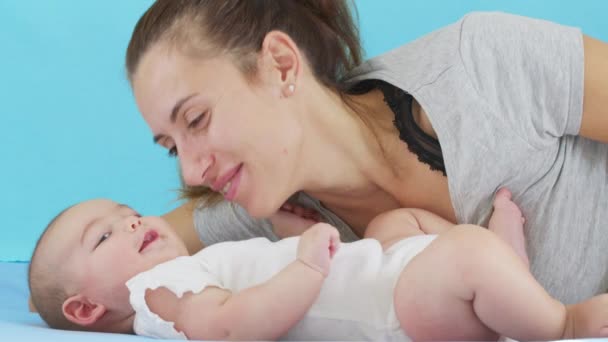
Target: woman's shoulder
{"points": [[485, 36], [467, 40], [499, 21], [227, 221], [415, 63]]}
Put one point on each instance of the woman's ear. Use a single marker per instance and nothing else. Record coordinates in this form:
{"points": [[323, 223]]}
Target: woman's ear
{"points": [[281, 59], [80, 310]]}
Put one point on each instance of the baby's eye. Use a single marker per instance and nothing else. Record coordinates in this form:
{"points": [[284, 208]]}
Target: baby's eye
{"points": [[103, 238]]}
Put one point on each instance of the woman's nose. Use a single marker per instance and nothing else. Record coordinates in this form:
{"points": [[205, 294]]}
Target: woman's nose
{"points": [[196, 171]]}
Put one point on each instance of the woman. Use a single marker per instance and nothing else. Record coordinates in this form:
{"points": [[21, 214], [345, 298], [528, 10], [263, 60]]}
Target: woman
{"points": [[263, 99]]}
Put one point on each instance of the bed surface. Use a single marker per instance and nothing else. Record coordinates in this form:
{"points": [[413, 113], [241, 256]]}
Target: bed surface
{"points": [[18, 324]]}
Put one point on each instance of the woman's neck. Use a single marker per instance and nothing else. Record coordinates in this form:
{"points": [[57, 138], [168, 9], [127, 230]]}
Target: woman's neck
{"points": [[353, 157]]}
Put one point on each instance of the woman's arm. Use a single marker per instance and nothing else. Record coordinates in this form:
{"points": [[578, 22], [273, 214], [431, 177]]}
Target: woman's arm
{"points": [[263, 312], [182, 221], [595, 101], [293, 220]]}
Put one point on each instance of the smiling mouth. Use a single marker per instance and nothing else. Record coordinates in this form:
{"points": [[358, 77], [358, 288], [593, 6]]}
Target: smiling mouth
{"points": [[223, 184], [229, 190], [151, 236]]}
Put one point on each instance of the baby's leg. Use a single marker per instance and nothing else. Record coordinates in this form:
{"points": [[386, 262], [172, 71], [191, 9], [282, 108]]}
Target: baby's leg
{"points": [[508, 223], [469, 285], [392, 226]]}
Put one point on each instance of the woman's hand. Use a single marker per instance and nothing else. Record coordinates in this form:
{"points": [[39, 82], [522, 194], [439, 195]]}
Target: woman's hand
{"points": [[318, 245], [594, 124]]}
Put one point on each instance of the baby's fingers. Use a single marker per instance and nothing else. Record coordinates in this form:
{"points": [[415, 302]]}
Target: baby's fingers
{"points": [[334, 243]]}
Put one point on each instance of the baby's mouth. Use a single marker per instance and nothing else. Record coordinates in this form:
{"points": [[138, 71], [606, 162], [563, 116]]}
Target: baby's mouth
{"points": [[149, 237]]}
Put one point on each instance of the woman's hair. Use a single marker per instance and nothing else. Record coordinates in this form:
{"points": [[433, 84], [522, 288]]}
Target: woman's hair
{"points": [[324, 31], [205, 196]]}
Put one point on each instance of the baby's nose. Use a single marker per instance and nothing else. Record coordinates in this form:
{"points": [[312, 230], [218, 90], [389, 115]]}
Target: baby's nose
{"points": [[134, 223]]}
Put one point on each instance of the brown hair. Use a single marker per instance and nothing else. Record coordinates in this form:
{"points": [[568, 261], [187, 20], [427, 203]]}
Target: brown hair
{"points": [[204, 195], [46, 290], [324, 30]]}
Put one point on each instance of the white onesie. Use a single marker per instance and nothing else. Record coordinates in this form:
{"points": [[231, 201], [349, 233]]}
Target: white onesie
{"points": [[355, 303]]}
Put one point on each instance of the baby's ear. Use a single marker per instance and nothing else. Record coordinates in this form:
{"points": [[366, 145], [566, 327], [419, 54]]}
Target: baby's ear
{"points": [[80, 310]]}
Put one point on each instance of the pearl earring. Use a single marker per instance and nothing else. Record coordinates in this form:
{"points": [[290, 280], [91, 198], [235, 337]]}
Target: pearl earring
{"points": [[288, 91]]}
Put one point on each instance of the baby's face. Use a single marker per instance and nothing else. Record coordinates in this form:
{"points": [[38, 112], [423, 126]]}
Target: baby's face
{"points": [[105, 244]]}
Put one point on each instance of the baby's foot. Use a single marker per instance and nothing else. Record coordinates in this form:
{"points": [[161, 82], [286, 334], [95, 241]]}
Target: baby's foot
{"points": [[587, 319], [508, 222]]}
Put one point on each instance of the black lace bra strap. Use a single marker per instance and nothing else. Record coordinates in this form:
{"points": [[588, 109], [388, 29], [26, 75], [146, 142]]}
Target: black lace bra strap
{"points": [[426, 147]]}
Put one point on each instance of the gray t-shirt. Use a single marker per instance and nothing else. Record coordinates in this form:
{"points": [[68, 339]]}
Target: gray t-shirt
{"points": [[228, 221], [504, 94]]}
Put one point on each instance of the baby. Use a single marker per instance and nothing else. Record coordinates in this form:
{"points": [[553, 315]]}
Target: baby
{"points": [[100, 266]]}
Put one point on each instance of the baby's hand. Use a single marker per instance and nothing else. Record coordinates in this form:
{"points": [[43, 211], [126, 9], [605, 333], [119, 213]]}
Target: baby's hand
{"points": [[318, 245]]}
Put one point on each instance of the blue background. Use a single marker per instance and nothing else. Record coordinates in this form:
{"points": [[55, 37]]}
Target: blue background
{"points": [[69, 126]]}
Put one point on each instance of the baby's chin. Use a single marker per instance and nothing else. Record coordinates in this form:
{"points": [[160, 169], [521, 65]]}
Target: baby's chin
{"points": [[175, 252]]}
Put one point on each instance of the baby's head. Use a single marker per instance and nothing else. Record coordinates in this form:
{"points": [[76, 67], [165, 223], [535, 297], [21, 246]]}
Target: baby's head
{"points": [[84, 257]]}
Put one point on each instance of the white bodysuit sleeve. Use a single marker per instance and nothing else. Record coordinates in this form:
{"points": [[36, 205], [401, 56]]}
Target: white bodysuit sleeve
{"points": [[180, 275]]}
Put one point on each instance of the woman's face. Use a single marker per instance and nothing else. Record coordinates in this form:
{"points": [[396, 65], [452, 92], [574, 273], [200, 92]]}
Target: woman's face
{"points": [[240, 138]]}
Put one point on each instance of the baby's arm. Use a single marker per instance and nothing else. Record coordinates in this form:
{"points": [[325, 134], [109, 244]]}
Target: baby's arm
{"points": [[263, 312]]}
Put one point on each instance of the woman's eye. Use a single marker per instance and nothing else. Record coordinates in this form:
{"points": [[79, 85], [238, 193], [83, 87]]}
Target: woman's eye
{"points": [[172, 152], [103, 238], [194, 123]]}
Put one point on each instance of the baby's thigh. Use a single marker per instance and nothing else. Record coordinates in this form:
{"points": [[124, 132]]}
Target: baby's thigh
{"points": [[431, 301]]}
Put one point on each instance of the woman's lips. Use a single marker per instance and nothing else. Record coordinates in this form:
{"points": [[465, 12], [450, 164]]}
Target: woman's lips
{"points": [[231, 190], [222, 183], [149, 237]]}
